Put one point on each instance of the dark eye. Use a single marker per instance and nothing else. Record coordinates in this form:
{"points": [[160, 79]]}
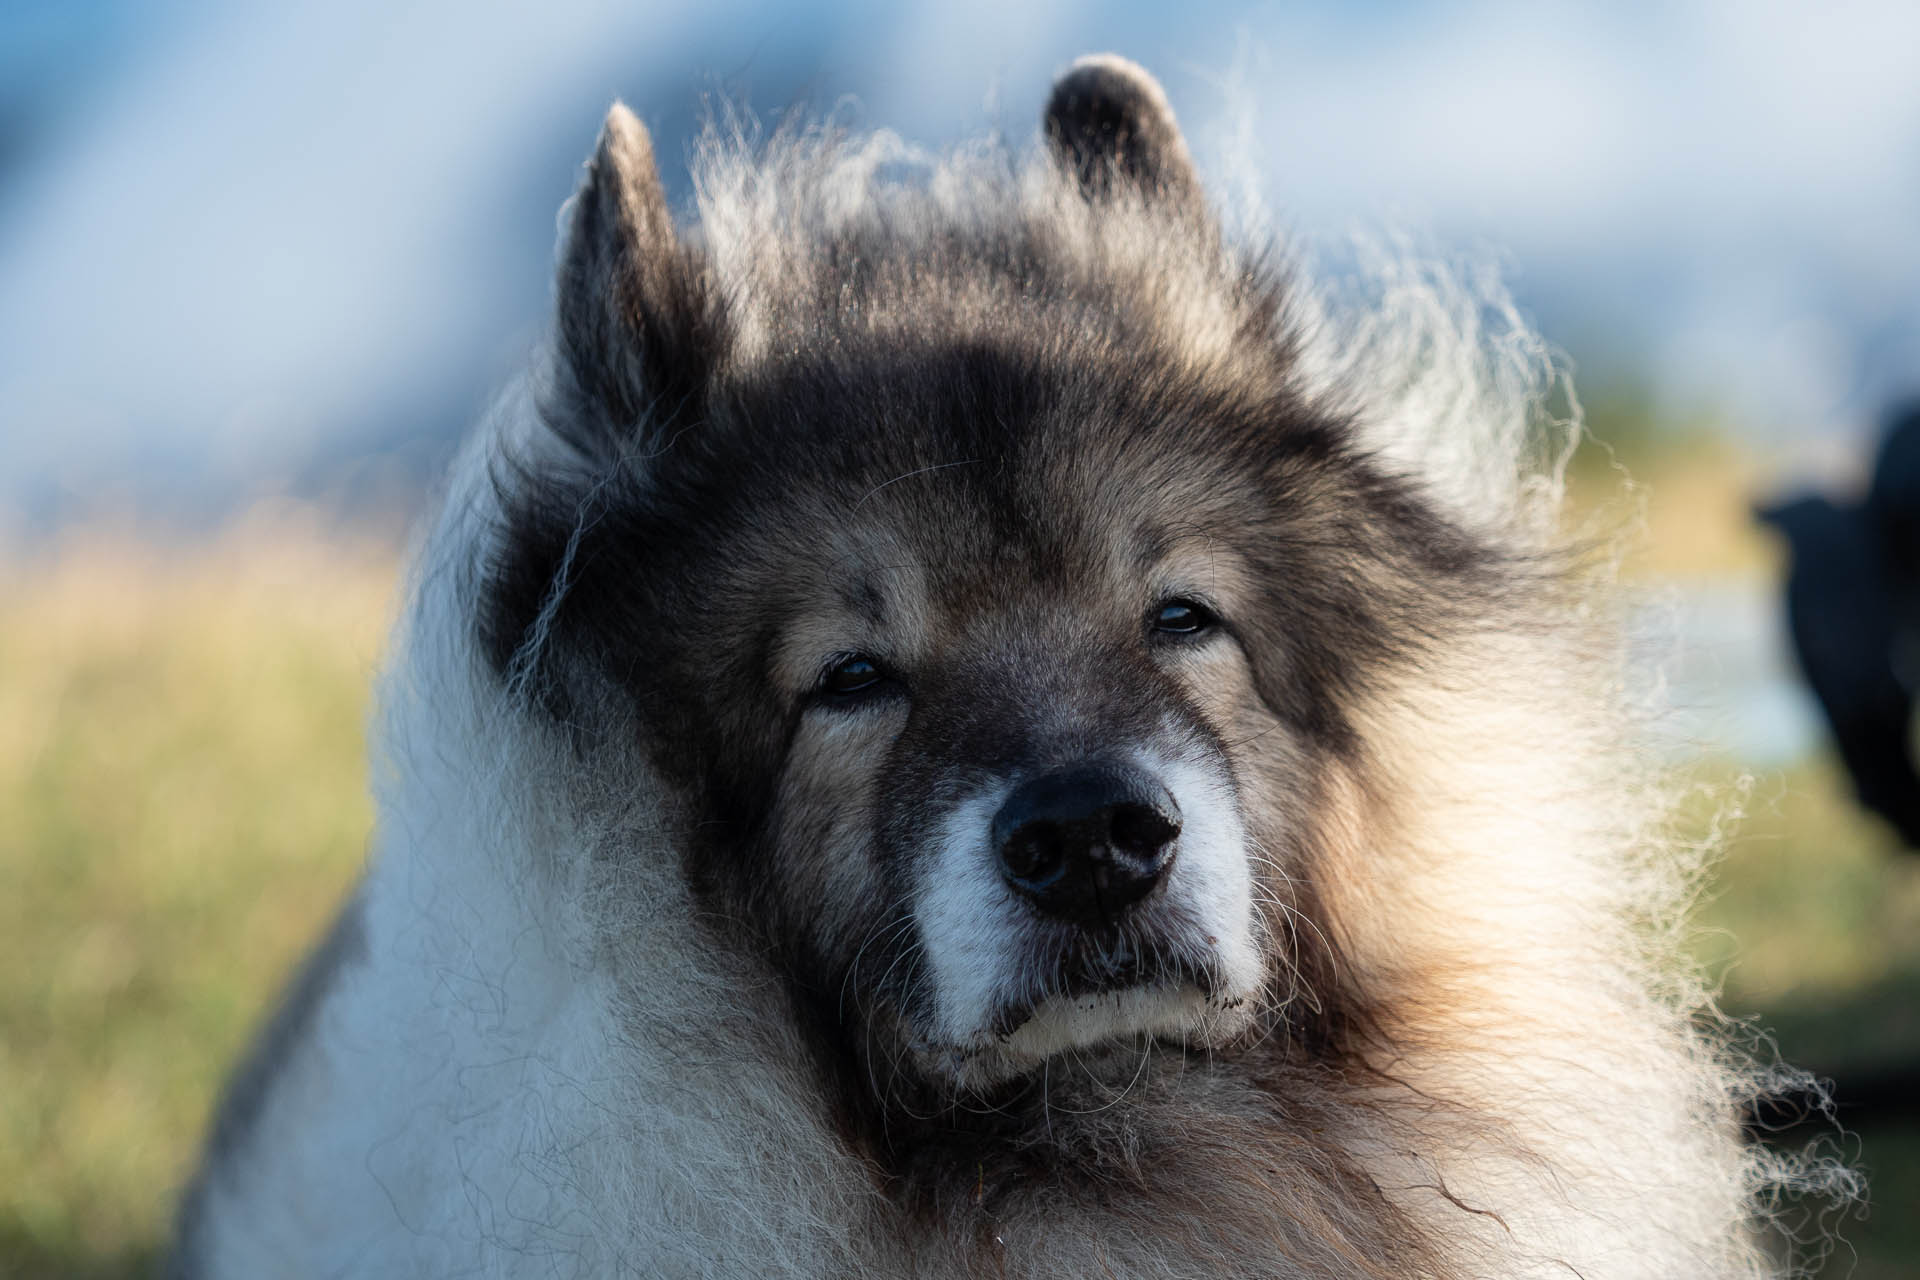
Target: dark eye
{"points": [[1182, 618], [855, 673]]}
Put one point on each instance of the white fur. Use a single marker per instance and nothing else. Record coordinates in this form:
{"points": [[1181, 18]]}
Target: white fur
{"points": [[965, 912], [1213, 876]]}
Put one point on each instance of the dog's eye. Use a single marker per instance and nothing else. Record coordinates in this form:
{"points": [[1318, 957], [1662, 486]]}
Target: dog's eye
{"points": [[855, 673], [1182, 618]]}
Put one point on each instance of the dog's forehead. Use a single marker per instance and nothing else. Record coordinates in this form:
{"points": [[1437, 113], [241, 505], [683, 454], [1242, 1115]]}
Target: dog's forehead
{"points": [[957, 534], [968, 456], [880, 494]]}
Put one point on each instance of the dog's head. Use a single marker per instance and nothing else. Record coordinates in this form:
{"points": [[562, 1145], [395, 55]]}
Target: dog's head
{"points": [[974, 567]]}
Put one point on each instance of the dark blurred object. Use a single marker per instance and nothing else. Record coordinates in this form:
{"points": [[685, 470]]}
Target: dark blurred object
{"points": [[1824, 1099], [1853, 602]]}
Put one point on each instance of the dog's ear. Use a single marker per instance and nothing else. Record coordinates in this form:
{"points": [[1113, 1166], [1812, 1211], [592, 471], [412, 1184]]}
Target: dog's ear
{"points": [[637, 329], [1111, 129]]}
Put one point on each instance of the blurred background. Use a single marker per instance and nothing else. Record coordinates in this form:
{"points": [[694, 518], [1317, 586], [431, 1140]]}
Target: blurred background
{"points": [[260, 267]]}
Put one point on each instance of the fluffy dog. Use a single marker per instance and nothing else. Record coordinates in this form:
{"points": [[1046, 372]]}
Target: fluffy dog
{"points": [[964, 723]]}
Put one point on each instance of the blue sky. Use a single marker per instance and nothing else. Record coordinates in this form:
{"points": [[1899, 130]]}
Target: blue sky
{"points": [[234, 237]]}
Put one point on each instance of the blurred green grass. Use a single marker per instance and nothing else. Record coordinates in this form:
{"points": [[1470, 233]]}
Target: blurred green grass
{"points": [[183, 802]]}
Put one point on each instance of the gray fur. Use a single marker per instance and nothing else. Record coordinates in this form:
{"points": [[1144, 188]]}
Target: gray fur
{"points": [[287, 1033]]}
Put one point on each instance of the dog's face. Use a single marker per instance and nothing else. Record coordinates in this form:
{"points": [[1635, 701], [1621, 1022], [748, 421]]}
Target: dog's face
{"points": [[998, 633], [994, 721], [1013, 749]]}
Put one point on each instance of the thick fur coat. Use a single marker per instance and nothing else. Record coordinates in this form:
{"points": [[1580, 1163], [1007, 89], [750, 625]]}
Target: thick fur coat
{"points": [[831, 521]]}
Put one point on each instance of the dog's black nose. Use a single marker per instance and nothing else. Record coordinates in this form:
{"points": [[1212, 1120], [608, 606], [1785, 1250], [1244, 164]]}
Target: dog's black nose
{"points": [[1088, 842]]}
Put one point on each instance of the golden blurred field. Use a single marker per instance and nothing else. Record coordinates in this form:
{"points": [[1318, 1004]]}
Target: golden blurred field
{"points": [[182, 803]]}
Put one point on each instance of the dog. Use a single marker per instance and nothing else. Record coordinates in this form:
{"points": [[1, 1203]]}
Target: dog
{"points": [[966, 720]]}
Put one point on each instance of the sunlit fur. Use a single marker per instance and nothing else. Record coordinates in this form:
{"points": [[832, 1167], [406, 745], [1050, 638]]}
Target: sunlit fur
{"points": [[540, 1051]]}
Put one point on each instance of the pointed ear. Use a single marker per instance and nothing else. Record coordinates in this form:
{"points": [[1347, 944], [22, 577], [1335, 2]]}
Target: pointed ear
{"points": [[637, 335], [1109, 126]]}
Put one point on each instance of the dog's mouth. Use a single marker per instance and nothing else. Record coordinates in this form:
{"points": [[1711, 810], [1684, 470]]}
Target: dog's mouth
{"points": [[1080, 994], [1086, 974]]}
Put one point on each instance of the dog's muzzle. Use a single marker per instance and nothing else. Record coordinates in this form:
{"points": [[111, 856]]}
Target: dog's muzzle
{"points": [[1084, 844]]}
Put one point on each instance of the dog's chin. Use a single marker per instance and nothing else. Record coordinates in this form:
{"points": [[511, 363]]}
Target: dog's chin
{"points": [[1083, 1027], [1183, 1014]]}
